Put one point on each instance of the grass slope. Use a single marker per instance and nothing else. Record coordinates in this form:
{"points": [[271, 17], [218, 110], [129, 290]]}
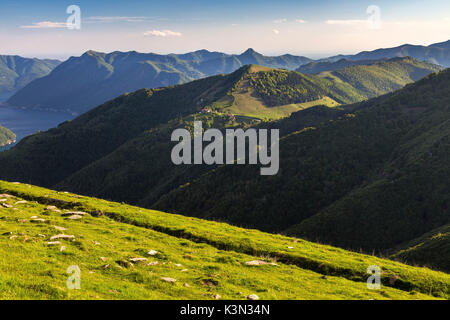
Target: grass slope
{"points": [[429, 249], [374, 177], [207, 259]]}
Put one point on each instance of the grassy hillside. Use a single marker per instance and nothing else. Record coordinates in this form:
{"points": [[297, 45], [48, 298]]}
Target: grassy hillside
{"points": [[81, 83], [375, 177], [429, 249], [127, 252], [121, 151], [6, 136], [16, 72], [146, 118], [317, 67], [384, 76]]}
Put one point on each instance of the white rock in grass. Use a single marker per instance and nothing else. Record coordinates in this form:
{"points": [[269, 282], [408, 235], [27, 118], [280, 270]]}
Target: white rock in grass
{"points": [[21, 202], [71, 213], [137, 260], [37, 220], [75, 217], [253, 297], [152, 253], [53, 243], [259, 263], [168, 279], [62, 236]]}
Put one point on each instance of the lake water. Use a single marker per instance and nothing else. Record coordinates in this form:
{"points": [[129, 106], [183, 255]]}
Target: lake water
{"points": [[25, 122]]}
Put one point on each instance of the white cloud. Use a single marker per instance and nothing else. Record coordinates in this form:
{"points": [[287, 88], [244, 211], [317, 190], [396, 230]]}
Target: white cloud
{"points": [[117, 19], [45, 25], [300, 21], [276, 31], [162, 33], [346, 22], [280, 21]]}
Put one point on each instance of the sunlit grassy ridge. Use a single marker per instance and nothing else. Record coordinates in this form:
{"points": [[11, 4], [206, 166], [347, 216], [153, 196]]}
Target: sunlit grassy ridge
{"points": [[6, 136], [428, 249], [205, 258]]}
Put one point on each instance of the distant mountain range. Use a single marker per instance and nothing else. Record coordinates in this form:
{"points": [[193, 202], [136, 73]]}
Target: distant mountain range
{"points": [[374, 164], [438, 53], [16, 72], [81, 83]]}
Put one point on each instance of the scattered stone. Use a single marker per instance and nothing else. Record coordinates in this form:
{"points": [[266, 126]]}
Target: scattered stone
{"points": [[152, 253], [4, 195], [178, 265], [323, 277], [22, 220], [168, 279], [186, 285], [290, 247], [72, 213], [103, 258], [153, 263], [217, 296], [37, 220], [21, 202], [259, 263], [7, 205], [60, 228], [137, 260], [124, 264], [62, 248], [7, 233], [253, 297], [34, 217], [210, 282], [62, 236], [184, 270], [3, 200], [106, 266], [12, 237], [75, 217], [52, 208], [41, 235], [53, 243]]}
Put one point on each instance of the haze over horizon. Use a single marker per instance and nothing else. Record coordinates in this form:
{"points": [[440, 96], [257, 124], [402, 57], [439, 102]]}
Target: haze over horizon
{"points": [[311, 28]]}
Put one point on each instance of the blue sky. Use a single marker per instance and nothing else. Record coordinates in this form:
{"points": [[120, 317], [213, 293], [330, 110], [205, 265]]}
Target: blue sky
{"points": [[312, 28]]}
